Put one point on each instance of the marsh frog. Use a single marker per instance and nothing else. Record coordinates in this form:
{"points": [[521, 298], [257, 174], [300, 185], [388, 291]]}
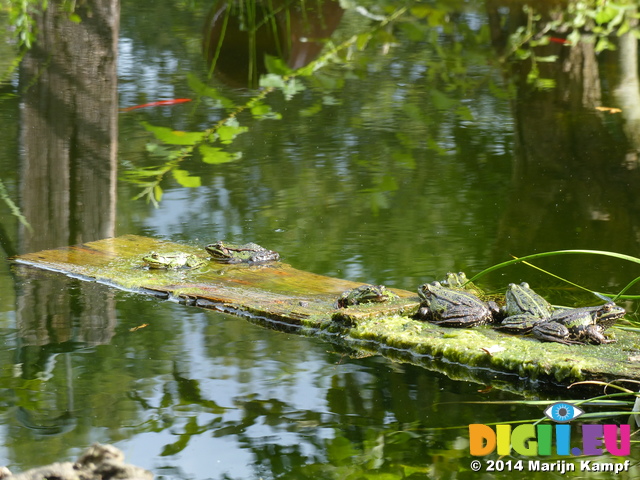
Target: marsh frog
{"points": [[247, 253], [365, 294], [172, 260], [579, 325], [524, 309], [459, 281], [453, 308]]}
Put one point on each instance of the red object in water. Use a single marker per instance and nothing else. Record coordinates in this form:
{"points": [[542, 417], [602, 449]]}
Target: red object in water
{"points": [[558, 40], [159, 103]]}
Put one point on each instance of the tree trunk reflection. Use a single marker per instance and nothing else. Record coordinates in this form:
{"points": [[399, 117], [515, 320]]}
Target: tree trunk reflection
{"points": [[67, 183], [69, 127], [567, 162]]}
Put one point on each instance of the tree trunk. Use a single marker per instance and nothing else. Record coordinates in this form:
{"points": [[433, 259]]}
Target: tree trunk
{"points": [[69, 126]]}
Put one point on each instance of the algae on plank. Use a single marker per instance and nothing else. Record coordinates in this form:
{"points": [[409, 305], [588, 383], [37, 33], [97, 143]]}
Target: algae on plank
{"points": [[487, 348], [285, 298]]}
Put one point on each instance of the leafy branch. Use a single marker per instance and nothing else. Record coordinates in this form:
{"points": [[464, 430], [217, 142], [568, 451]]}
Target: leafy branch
{"points": [[22, 17], [223, 131], [581, 21], [4, 196], [227, 129]]}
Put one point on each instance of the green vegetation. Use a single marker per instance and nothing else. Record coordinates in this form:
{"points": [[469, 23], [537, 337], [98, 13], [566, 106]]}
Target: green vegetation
{"points": [[591, 22], [174, 147], [390, 329], [450, 48], [22, 15]]}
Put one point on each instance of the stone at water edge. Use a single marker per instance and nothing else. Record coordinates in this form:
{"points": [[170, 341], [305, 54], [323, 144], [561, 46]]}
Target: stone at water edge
{"points": [[98, 462]]}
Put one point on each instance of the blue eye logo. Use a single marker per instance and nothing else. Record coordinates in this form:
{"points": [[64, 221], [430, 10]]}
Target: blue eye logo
{"points": [[562, 412]]}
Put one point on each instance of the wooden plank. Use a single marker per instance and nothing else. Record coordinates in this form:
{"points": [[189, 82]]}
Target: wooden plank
{"points": [[286, 298], [274, 290]]}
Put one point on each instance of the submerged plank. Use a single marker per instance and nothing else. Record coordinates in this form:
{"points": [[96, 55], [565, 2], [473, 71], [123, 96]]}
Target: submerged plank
{"points": [[274, 290], [284, 297]]}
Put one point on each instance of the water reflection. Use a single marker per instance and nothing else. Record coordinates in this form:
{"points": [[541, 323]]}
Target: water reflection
{"points": [[204, 395], [67, 176], [392, 176], [69, 128], [572, 173], [238, 36]]}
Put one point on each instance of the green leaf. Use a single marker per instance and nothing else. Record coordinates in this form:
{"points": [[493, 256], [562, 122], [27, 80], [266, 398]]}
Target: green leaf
{"points": [[292, 87], [271, 80], [204, 90], [157, 193], [173, 137], [176, 447], [229, 131], [522, 54], [262, 111], [606, 15], [624, 28], [574, 37], [604, 44], [276, 65], [160, 150], [214, 155], [186, 180], [362, 40]]}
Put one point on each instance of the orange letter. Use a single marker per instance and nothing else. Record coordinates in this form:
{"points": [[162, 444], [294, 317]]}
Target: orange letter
{"points": [[478, 435]]}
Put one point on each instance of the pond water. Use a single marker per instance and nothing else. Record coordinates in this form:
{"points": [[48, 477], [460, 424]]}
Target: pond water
{"points": [[412, 151]]}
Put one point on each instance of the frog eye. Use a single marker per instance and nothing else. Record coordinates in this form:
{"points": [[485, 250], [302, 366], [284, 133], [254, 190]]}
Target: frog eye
{"points": [[562, 412]]}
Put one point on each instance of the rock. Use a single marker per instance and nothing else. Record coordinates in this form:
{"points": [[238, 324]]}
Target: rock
{"points": [[98, 462]]}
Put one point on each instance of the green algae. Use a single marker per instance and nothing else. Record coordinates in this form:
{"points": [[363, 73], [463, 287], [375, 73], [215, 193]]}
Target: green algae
{"points": [[281, 297], [483, 347]]}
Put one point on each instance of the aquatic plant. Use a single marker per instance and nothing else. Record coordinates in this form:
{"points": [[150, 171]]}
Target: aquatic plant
{"points": [[588, 22], [174, 147]]}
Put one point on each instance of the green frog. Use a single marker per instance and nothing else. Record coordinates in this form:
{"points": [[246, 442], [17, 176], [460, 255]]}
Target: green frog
{"points": [[454, 308], [524, 309], [579, 325], [365, 294], [247, 253], [459, 281], [172, 260]]}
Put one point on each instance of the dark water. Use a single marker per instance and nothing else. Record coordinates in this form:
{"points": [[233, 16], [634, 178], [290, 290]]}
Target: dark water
{"points": [[414, 156]]}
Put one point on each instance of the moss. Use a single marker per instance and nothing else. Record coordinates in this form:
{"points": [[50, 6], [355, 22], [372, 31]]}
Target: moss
{"points": [[483, 347], [284, 298]]}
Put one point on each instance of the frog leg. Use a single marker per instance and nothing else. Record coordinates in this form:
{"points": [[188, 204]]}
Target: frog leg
{"points": [[522, 323], [461, 317], [553, 332], [594, 335]]}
